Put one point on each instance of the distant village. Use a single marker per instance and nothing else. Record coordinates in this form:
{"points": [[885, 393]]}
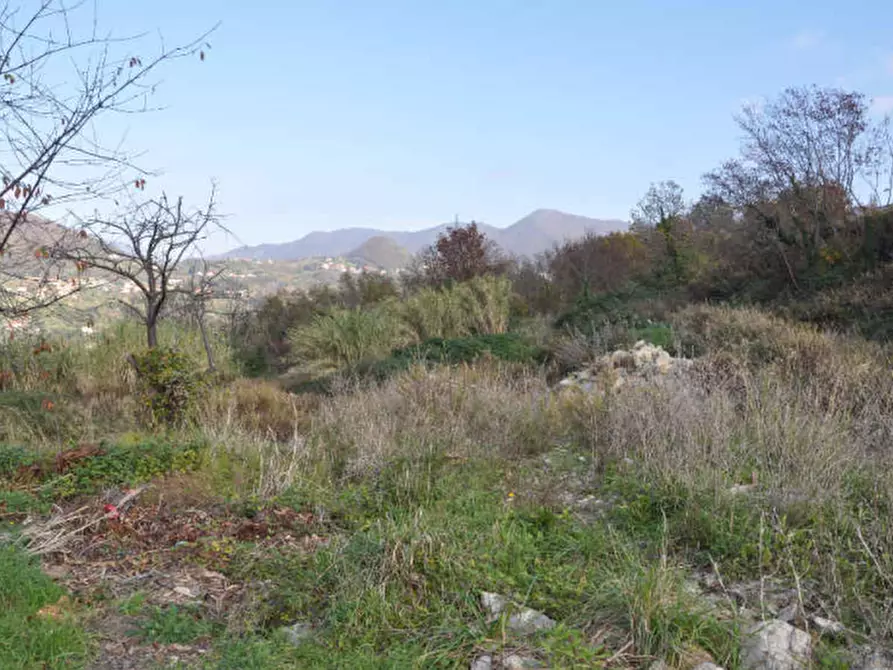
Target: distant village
{"points": [[269, 275]]}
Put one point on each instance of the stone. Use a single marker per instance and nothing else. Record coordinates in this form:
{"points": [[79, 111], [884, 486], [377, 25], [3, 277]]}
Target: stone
{"points": [[484, 662], [872, 659], [827, 626], [789, 613], [707, 665], [775, 645], [518, 662], [522, 620], [298, 633]]}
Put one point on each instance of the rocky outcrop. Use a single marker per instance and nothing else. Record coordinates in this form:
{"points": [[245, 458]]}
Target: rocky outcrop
{"points": [[643, 363]]}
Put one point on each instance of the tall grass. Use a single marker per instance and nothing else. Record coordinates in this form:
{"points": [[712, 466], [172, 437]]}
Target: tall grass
{"points": [[58, 390], [344, 337], [480, 306]]}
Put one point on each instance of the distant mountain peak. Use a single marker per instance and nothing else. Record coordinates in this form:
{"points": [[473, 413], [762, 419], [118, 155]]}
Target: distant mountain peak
{"points": [[533, 234]]}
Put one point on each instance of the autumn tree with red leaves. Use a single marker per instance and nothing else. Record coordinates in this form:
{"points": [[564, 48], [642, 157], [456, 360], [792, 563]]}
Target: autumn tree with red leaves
{"points": [[459, 254]]}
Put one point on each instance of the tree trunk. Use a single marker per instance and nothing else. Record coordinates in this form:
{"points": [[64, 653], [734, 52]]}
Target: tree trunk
{"points": [[152, 331], [207, 343]]}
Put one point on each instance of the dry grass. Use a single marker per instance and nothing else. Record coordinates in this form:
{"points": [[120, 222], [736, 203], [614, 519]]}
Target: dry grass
{"points": [[804, 414]]}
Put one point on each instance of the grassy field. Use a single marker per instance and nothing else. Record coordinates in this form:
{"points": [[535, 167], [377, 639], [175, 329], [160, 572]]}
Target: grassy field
{"points": [[358, 528]]}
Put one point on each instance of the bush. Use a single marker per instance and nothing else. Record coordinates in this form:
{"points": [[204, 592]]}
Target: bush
{"points": [[593, 311], [477, 307], [169, 384], [344, 337]]}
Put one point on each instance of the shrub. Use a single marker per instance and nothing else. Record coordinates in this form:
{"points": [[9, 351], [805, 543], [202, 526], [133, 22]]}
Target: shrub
{"points": [[344, 337], [476, 307], [593, 311], [169, 384]]}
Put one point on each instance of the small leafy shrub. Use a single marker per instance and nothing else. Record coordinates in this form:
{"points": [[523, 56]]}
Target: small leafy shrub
{"points": [[13, 458], [20, 502], [170, 384], [124, 464]]}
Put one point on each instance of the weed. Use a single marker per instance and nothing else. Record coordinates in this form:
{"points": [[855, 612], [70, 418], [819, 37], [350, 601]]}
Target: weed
{"points": [[174, 625], [35, 629]]}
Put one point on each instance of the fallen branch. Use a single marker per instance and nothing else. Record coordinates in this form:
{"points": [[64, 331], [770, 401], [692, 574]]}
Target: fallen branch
{"points": [[53, 535]]}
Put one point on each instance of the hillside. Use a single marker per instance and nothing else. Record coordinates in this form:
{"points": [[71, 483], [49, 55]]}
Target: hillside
{"points": [[31, 244], [534, 233], [381, 252]]}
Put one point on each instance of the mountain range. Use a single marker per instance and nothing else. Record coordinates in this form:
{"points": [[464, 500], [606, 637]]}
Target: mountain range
{"points": [[535, 233]]}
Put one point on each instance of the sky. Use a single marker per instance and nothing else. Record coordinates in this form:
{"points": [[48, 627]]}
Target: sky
{"points": [[401, 115]]}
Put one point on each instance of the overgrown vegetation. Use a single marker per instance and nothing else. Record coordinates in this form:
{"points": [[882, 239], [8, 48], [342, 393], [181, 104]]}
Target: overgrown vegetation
{"points": [[239, 525]]}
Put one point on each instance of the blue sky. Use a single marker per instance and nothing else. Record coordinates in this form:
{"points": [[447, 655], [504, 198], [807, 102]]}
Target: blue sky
{"points": [[320, 115]]}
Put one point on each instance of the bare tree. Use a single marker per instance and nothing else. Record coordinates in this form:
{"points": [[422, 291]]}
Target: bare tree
{"points": [[196, 295], [144, 246], [807, 160], [56, 85], [663, 202]]}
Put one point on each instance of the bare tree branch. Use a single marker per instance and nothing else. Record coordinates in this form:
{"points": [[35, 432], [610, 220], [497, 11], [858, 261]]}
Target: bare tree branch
{"points": [[55, 87], [145, 245]]}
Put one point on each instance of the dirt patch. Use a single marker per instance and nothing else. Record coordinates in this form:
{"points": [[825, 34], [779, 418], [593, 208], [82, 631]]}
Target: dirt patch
{"points": [[170, 556]]}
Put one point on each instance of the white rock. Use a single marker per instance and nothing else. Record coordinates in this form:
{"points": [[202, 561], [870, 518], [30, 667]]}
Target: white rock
{"points": [[518, 662], [775, 645], [298, 633], [493, 603], [484, 662], [873, 659], [827, 626], [523, 620], [707, 665]]}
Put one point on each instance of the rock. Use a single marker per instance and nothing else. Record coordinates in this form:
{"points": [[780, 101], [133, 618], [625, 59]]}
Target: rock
{"points": [[298, 633], [493, 603], [659, 665], [872, 659], [707, 665], [619, 369], [484, 662], [827, 626], [775, 645], [522, 620], [518, 662], [789, 613]]}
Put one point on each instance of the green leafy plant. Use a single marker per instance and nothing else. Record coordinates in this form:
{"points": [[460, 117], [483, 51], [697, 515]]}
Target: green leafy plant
{"points": [[174, 625], [169, 384]]}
